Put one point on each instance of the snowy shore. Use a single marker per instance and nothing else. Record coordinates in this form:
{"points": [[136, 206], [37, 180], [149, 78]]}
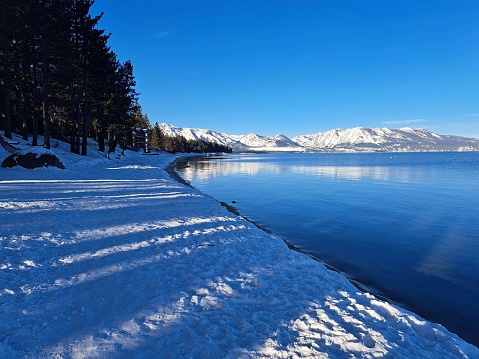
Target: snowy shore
{"points": [[113, 258]]}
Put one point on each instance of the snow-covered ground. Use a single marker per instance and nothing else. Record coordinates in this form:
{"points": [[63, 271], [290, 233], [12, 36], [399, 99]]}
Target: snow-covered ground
{"points": [[113, 258]]}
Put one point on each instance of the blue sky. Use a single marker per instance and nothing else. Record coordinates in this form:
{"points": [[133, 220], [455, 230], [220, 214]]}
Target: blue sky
{"points": [[302, 66]]}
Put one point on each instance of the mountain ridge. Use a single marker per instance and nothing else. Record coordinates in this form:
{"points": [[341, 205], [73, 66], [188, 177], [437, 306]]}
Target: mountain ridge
{"points": [[356, 139]]}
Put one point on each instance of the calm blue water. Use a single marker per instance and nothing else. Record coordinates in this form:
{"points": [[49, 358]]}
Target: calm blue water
{"points": [[405, 225]]}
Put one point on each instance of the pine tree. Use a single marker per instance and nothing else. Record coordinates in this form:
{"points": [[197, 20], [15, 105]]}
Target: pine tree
{"points": [[60, 77], [8, 9], [155, 137]]}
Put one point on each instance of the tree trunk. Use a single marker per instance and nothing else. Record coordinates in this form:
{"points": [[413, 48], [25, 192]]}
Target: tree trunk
{"points": [[46, 114], [16, 120], [101, 136], [35, 107], [22, 118], [77, 128], [85, 115], [72, 133], [6, 75], [85, 128]]}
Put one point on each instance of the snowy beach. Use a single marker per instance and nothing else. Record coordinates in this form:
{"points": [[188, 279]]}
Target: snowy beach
{"points": [[113, 258]]}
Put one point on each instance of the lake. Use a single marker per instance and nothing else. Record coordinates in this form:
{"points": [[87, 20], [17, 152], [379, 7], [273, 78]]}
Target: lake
{"points": [[404, 225]]}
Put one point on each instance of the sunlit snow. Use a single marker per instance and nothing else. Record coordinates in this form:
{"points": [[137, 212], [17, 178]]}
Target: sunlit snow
{"points": [[113, 258]]}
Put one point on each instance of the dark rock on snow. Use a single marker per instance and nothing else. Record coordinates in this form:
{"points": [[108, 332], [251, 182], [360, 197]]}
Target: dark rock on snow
{"points": [[30, 160]]}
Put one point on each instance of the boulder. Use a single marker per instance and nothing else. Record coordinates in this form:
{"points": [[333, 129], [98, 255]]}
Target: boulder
{"points": [[32, 160]]}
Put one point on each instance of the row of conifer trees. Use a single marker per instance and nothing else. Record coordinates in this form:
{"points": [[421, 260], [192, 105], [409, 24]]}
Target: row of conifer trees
{"points": [[60, 78], [176, 144]]}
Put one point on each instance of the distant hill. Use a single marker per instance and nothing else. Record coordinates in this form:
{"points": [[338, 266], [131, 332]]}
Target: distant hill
{"points": [[358, 139], [384, 139], [246, 143]]}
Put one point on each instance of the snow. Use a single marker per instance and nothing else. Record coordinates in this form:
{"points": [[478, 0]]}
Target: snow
{"points": [[358, 139], [113, 258], [249, 142], [384, 139]]}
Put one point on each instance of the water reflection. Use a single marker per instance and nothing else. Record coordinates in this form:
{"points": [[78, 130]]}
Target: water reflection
{"points": [[358, 173], [201, 170]]}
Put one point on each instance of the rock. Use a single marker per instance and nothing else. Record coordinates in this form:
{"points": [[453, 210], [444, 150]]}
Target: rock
{"points": [[32, 160], [9, 162]]}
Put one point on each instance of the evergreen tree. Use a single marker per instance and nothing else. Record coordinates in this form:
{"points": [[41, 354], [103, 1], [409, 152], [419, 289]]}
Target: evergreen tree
{"points": [[8, 14], [60, 77], [156, 137]]}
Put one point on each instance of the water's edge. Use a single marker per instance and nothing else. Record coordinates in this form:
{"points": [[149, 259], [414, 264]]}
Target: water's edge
{"points": [[170, 169]]}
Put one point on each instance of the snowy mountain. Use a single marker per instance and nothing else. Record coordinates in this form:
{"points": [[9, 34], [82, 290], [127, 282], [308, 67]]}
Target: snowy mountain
{"points": [[250, 142], [358, 139], [406, 139], [254, 142], [195, 134]]}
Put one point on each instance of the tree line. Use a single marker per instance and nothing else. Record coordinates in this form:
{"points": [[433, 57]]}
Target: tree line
{"points": [[175, 144], [60, 78]]}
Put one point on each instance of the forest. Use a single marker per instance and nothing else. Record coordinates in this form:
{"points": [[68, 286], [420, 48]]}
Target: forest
{"points": [[61, 80], [174, 144]]}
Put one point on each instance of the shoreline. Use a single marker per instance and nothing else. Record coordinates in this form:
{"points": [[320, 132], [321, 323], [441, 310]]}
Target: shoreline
{"points": [[129, 262], [170, 169], [376, 292]]}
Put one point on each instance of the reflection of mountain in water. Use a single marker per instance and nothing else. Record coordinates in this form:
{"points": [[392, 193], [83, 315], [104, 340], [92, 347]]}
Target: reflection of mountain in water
{"points": [[211, 169], [357, 173], [205, 169]]}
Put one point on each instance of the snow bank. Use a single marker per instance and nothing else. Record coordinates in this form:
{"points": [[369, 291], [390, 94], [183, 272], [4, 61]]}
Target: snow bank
{"points": [[112, 258]]}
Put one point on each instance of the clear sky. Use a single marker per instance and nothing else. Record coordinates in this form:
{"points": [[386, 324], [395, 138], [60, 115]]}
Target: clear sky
{"points": [[301, 66]]}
